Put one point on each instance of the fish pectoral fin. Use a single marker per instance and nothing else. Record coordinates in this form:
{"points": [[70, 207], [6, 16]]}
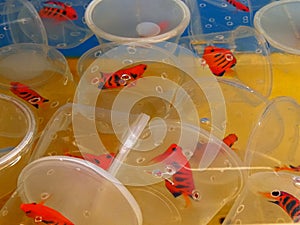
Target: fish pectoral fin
{"points": [[172, 188], [187, 200]]}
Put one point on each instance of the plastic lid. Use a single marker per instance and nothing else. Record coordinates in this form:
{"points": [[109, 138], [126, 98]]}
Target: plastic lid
{"points": [[59, 179], [109, 19], [279, 24], [21, 23]]}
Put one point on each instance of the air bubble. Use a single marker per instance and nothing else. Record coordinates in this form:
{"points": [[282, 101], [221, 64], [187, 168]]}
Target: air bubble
{"points": [[208, 25], [4, 211], [78, 169], [75, 34], [157, 173], [227, 163], [258, 50], [83, 20], [61, 45], [229, 23], [170, 170], [159, 89], [54, 104], [240, 208], [227, 17], [94, 69], [164, 75], [224, 5], [50, 172], [238, 221], [211, 20], [131, 50], [171, 129], [86, 213], [38, 219], [45, 195], [140, 159], [188, 153], [212, 178], [205, 121], [202, 5], [196, 195], [5, 28], [219, 37], [127, 61], [280, 220], [296, 181], [2, 36]]}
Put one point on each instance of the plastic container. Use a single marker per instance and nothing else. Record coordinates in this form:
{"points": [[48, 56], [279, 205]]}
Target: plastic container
{"points": [[141, 20], [20, 23], [37, 74], [279, 22], [81, 192], [279, 122], [252, 66], [259, 195], [64, 22], [17, 134]]}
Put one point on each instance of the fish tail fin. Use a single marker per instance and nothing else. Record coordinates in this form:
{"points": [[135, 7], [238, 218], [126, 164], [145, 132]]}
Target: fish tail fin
{"points": [[171, 187]]}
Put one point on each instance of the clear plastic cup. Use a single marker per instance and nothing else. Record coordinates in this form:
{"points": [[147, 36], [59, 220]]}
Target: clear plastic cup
{"points": [[274, 141], [38, 75], [140, 20], [64, 22], [17, 134], [246, 45], [278, 23], [20, 23], [256, 203], [79, 191]]}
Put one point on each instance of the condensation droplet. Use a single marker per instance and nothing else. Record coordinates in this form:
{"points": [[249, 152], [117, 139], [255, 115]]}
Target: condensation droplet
{"points": [[188, 153], [212, 178], [240, 209], [227, 163], [54, 104], [140, 159], [131, 50], [196, 195], [44, 195], [159, 89], [78, 169], [50, 172], [86, 213]]}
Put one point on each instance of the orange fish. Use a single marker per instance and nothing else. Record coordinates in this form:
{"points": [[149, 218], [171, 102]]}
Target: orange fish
{"points": [[104, 160], [289, 203], [182, 182], [230, 139], [288, 168], [219, 60], [29, 95], [58, 11], [122, 77], [238, 5], [41, 213]]}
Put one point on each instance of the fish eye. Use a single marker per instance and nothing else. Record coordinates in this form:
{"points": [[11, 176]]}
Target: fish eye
{"points": [[228, 57], [275, 193], [108, 156], [125, 77]]}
